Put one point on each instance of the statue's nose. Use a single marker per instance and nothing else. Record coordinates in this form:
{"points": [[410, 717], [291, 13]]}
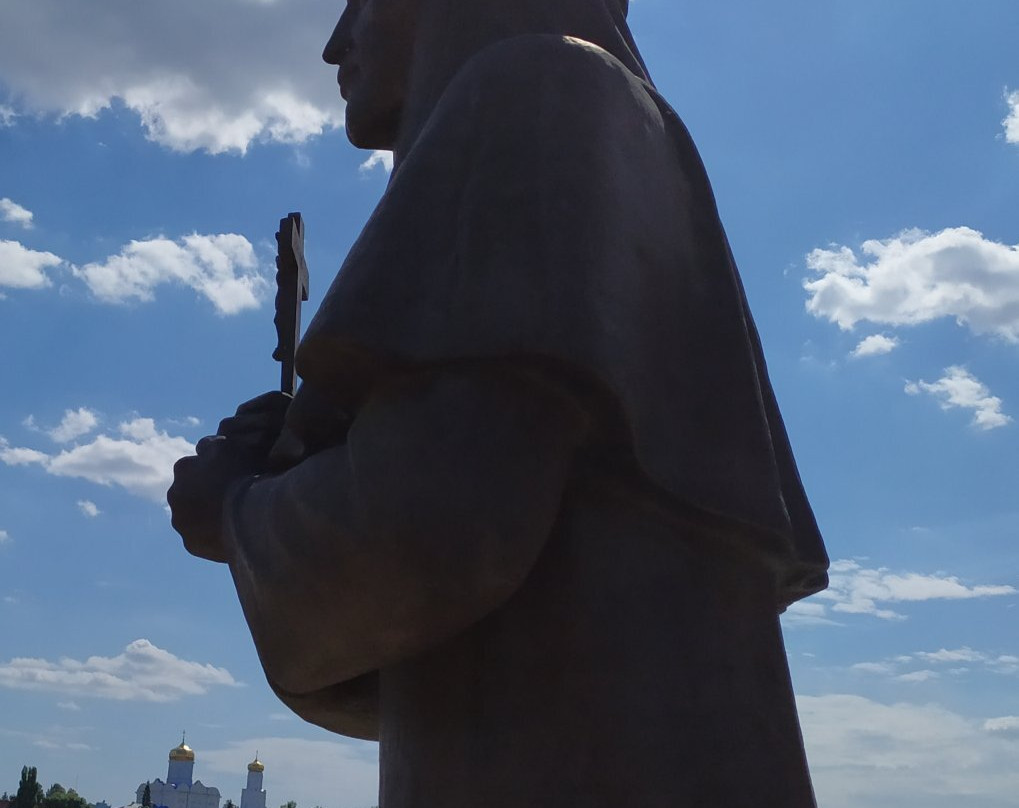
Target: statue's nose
{"points": [[340, 41]]}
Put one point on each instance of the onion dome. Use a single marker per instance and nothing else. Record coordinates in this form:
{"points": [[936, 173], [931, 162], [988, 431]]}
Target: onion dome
{"points": [[183, 752], [256, 765]]}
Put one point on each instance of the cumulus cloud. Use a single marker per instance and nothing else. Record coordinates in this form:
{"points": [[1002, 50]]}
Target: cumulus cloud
{"points": [[4, 536], [304, 769], [138, 458], [89, 508], [214, 76], [22, 268], [378, 158], [917, 277], [1011, 122], [11, 211], [74, 424], [7, 115], [959, 388], [222, 268], [875, 345], [854, 589], [863, 752], [143, 672]]}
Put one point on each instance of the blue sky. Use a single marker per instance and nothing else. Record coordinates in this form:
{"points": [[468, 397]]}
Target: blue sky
{"points": [[865, 157]]}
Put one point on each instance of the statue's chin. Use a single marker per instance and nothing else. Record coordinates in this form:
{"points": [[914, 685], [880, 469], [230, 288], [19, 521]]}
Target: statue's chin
{"points": [[372, 131]]}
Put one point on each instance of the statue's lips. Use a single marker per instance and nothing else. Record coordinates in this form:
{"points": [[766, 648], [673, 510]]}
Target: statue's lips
{"points": [[346, 74]]}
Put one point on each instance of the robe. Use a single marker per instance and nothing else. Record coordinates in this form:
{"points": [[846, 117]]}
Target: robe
{"points": [[543, 315]]}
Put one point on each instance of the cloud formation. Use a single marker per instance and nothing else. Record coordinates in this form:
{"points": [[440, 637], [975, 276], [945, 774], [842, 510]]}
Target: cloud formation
{"points": [[935, 664], [22, 268], [303, 770], [917, 277], [1011, 122], [11, 211], [4, 536], [378, 158], [875, 345], [74, 424], [89, 508], [854, 589], [960, 389], [863, 752], [143, 672], [222, 268], [212, 76], [139, 459]]}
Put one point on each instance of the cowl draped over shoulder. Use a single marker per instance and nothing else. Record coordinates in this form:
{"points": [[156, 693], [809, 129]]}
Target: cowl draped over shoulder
{"points": [[554, 210]]}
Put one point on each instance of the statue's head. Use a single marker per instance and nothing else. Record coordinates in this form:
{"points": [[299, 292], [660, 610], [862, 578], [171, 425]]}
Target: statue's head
{"points": [[398, 55], [373, 47]]}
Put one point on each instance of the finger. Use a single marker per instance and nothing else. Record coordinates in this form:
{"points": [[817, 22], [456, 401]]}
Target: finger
{"points": [[208, 444], [274, 401]]}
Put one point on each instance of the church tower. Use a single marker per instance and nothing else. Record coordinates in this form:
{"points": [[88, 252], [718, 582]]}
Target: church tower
{"points": [[182, 766], [252, 795]]}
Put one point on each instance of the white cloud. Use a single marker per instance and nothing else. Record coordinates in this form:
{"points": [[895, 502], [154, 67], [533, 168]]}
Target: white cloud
{"points": [[215, 76], [1011, 122], [917, 277], [20, 456], [89, 508], [140, 459], [303, 770], [1006, 723], [959, 388], [854, 589], [222, 268], [4, 537], [11, 211], [916, 667], [378, 158], [807, 613], [875, 345], [7, 115], [68, 705], [918, 676], [862, 752], [74, 424], [873, 667], [22, 268], [143, 672]]}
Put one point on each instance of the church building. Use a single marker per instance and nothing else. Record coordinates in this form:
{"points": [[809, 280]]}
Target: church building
{"points": [[179, 790]]}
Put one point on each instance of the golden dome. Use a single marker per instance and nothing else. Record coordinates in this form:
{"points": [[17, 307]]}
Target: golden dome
{"points": [[256, 765], [182, 752]]}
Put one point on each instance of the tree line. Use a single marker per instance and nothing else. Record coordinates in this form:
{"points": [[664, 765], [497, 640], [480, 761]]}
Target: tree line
{"points": [[30, 794]]}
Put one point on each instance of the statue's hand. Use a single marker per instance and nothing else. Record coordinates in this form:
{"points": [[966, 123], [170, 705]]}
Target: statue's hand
{"points": [[201, 483]]}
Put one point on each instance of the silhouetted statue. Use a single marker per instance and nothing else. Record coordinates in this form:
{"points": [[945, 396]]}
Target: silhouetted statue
{"points": [[533, 514]]}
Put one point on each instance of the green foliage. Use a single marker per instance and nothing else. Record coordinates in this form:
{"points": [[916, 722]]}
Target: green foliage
{"points": [[59, 797], [289, 804], [29, 791]]}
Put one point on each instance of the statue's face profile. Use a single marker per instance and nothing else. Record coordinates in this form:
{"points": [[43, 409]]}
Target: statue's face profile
{"points": [[372, 45]]}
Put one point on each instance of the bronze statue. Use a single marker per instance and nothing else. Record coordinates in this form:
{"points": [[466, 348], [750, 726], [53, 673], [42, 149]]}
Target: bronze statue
{"points": [[532, 515]]}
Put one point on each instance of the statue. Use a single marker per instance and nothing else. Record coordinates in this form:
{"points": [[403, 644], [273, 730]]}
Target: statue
{"points": [[532, 515]]}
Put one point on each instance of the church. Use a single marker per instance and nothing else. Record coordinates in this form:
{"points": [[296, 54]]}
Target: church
{"points": [[181, 790]]}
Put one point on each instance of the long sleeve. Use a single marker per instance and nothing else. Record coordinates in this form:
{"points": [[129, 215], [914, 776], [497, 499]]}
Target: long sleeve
{"points": [[426, 519]]}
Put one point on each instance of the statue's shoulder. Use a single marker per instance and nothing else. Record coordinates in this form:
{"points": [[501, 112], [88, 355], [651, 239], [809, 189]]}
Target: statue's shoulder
{"points": [[557, 75]]}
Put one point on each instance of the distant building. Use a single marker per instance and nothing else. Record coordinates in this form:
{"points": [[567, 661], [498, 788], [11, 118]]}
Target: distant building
{"points": [[252, 795], [180, 790]]}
